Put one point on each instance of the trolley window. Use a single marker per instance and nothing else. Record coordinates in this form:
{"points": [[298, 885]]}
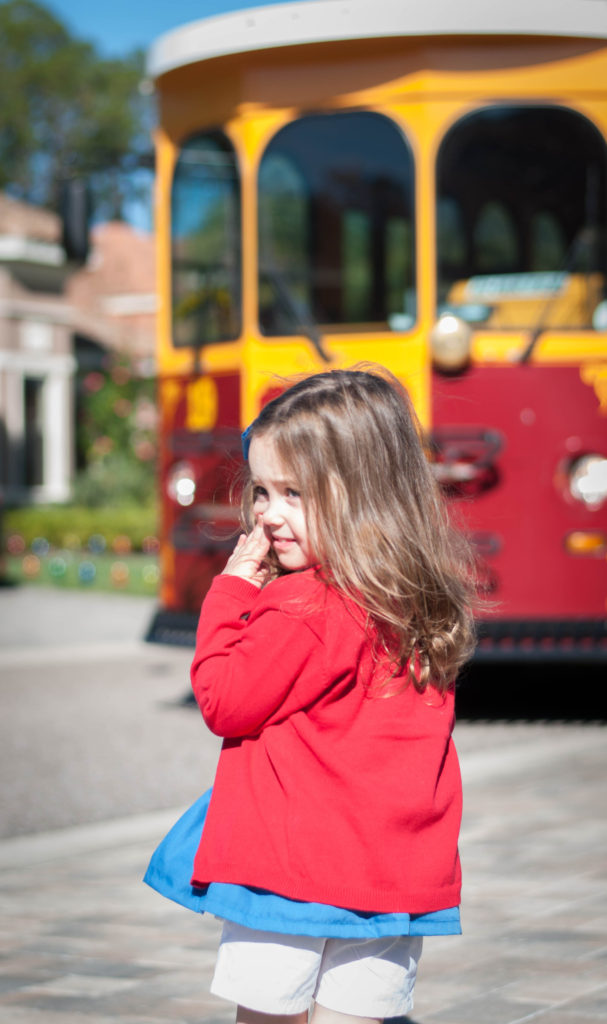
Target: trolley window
{"points": [[521, 214], [336, 243], [205, 236]]}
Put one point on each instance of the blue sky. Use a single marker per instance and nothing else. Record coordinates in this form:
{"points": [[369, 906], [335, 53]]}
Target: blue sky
{"points": [[116, 26]]}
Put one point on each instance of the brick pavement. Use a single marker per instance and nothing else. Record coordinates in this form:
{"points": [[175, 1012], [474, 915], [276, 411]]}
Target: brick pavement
{"points": [[82, 939]]}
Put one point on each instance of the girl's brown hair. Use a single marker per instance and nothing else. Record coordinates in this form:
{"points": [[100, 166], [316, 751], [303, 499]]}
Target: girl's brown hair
{"points": [[377, 522]]}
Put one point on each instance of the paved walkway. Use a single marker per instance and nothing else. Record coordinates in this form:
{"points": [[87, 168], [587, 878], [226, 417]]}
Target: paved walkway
{"points": [[84, 940]]}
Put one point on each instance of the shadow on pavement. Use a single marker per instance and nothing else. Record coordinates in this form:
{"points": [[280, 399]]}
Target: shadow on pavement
{"points": [[544, 691]]}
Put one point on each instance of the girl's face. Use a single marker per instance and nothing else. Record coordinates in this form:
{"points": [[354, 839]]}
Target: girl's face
{"points": [[277, 500]]}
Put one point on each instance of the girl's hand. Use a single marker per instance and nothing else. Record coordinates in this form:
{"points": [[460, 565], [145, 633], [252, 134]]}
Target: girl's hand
{"points": [[246, 558]]}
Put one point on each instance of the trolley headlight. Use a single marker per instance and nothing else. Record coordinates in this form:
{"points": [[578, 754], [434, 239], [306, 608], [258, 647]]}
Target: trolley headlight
{"points": [[588, 480], [181, 484], [450, 342]]}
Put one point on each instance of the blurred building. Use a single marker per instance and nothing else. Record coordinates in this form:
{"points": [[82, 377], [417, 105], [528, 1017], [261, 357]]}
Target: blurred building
{"points": [[55, 320], [113, 297]]}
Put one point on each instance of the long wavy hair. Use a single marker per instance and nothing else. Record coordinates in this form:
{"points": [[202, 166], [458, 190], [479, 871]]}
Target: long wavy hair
{"points": [[376, 519]]}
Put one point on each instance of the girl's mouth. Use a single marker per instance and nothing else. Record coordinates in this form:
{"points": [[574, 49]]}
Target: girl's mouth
{"points": [[282, 543]]}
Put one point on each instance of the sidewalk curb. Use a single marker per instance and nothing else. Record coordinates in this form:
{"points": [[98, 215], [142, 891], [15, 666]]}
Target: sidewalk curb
{"points": [[45, 847]]}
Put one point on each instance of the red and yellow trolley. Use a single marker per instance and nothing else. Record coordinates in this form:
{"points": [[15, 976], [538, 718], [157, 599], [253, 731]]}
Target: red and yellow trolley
{"points": [[423, 188]]}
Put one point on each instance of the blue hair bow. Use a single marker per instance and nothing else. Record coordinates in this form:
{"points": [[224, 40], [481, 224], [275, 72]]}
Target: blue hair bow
{"points": [[245, 439]]}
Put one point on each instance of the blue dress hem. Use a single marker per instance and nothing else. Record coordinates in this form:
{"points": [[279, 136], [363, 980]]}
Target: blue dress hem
{"points": [[170, 870]]}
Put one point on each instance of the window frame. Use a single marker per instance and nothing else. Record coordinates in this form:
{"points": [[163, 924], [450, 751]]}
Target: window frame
{"points": [[592, 130], [235, 199], [356, 327]]}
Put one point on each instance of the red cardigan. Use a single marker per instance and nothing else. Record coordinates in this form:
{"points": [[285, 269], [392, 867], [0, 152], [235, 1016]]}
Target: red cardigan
{"points": [[326, 791]]}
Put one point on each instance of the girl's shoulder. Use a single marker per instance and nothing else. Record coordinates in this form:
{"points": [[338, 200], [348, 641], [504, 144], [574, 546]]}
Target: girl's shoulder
{"points": [[307, 595], [298, 595]]}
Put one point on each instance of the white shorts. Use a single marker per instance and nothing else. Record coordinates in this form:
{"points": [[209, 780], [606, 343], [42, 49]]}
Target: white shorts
{"points": [[274, 973]]}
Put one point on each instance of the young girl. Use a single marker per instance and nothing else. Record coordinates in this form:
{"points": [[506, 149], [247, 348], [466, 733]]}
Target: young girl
{"points": [[326, 655]]}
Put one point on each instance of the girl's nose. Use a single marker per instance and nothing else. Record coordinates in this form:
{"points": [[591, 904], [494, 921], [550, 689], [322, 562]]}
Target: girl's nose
{"points": [[271, 514]]}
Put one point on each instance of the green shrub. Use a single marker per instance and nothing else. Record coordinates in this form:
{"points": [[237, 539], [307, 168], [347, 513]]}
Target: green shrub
{"points": [[118, 479], [72, 526], [116, 435]]}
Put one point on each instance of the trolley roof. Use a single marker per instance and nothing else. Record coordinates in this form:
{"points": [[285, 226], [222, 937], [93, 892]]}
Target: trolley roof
{"points": [[238, 26]]}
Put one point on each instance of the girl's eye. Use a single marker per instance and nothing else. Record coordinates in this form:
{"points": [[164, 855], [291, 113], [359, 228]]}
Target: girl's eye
{"points": [[292, 493], [259, 493]]}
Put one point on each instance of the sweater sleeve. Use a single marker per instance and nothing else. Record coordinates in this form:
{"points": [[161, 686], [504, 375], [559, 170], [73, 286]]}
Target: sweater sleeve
{"points": [[250, 654]]}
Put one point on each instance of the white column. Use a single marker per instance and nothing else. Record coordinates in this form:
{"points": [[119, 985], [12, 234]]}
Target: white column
{"points": [[57, 372], [15, 435], [58, 436]]}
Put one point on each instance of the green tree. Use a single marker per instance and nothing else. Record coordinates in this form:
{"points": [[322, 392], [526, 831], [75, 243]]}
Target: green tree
{"points": [[65, 110]]}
